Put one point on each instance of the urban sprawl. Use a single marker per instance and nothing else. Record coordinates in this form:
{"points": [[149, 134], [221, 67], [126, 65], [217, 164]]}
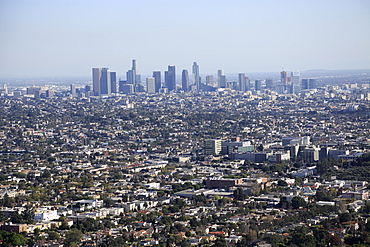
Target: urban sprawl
{"points": [[186, 161]]}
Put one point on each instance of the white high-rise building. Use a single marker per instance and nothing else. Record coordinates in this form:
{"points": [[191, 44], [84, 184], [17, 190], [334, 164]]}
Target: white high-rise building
{"points": [[220, 74], [296, 86], [150, 85]]}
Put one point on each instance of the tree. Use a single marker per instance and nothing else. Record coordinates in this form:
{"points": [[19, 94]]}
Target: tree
{"points": [[12, 239], [334, 240], [53, 235], [324, 195], [239, 194], [344, 217], [273, 239], [185, 243], [282, 183], [298, 202], [73, 237], [283, 203], [28, 216], [16, 218], [255, 190], [304, 240], [173, 209], [352, 240], [7, 201], [220, 242], [321, 236]]}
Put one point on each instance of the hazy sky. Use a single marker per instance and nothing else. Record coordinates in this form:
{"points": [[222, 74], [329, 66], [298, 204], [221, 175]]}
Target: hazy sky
{"points": [[69, 37]]}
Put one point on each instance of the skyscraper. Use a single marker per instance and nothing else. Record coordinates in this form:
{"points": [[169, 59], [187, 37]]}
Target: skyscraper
{"points": [[283, 78], [270, 84], [96, 73], [242, 82], [196, 78], [132, 75], [312, 83], [282, 87], [185, 80], [295, 82], [257, 85], [223, 83], [135, 71], [210, 80], [304, 84], [113, 82], [170, 78], [105, 82], [150, 85], [73, 89], [101, 81], [157, 80], [220, 73], [121, 84], [134, 66]]}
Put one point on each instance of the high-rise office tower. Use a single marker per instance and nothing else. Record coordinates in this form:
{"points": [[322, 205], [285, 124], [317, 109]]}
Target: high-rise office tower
{"points": [[105, 82], [220, 73], [308, 84], [96, 73], [185, 80], [73, 89], [101, 81], [150, 85], [157, 79], [121, 84], [257, 85], [135, 70], [223, 82], [170, 78], [312, 83], [196, 78], [5, 89], [295, 82], [113, 82], [242, 82], [134, 66], [127, 88], [282, 87], [283, 77], [234, 85], [270, 84], [139, 88], [132, 75], [210, 81], [248, 83], [138, 79], [304, 84]]}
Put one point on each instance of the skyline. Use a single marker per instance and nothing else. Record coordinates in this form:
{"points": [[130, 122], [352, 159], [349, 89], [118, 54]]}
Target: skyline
{"points": [[44, 38]]}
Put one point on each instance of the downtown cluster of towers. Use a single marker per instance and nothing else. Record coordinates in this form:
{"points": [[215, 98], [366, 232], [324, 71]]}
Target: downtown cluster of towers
{"points": [[105, 82]]}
